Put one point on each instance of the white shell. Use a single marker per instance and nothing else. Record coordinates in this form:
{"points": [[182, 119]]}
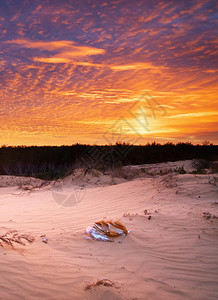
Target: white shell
{"points": [[89, 229]]}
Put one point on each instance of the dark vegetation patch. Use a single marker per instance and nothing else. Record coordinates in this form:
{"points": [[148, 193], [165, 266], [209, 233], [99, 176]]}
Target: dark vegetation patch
{"points": [[53, 162]]}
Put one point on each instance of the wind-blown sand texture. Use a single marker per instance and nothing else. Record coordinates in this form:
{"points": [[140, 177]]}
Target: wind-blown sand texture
{"points": [[172, 255]]}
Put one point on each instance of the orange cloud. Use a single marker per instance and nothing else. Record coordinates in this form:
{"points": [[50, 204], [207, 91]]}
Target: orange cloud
{"points": [[52, 60], [66, 50], [137, 66], [195, 115]]}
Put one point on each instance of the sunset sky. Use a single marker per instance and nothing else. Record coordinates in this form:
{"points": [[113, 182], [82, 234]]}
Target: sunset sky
{"points": [[99, 72]]}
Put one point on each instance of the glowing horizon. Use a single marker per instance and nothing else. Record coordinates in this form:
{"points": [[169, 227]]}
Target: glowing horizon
{"points": [[76, 72]]}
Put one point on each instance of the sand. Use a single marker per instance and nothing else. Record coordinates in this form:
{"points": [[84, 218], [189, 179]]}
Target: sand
{"points": [[172, 255]]}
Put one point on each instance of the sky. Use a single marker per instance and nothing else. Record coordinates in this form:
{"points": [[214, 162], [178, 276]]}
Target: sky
{"points": [[101, 72]]}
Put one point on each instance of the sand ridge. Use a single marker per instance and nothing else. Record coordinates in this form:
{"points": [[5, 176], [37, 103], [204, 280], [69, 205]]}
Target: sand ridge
{"points": [[172, 255]]}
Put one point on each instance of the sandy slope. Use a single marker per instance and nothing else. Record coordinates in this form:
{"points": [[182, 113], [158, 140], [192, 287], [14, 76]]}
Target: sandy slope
{"points": [[174, 255]]}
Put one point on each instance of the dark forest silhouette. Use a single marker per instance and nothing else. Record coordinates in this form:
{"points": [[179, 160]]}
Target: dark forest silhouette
{"points": [[51, 162]]}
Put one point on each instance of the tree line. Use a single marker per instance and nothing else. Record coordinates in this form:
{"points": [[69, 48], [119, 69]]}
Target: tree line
{"points": [[50, 162]]}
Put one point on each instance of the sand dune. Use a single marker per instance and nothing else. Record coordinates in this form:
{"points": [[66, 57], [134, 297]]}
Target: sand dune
{"points": [[172, 255]]}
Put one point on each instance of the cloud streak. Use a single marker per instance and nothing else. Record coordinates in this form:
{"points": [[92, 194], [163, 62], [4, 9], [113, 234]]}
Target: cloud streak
{"points": [[65, 51]]}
